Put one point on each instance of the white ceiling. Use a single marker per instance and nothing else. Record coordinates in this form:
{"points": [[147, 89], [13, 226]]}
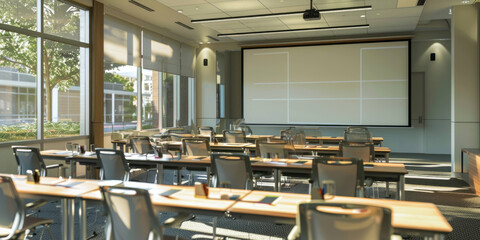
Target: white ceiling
{"points": [[384, 18]]}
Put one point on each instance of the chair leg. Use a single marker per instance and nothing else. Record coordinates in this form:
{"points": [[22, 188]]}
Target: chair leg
{"points": [[214, 227], [27, 232]]}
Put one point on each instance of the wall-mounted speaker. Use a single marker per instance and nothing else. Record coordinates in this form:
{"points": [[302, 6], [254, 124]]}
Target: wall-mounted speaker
{"points": [[205, 62], [432, 56]]}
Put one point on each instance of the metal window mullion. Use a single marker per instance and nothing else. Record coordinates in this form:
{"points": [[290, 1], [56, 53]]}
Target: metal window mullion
{"points": [[139, 98], [42, 34], [40, 82]]}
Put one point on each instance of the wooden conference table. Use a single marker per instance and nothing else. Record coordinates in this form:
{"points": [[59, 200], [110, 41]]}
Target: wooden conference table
{"points": [[377, 141], [407, 217], [389, 172]]}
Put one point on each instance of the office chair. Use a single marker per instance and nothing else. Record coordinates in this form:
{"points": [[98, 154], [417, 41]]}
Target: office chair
{"points": [[347, 173], [29, 158], [234, 136], [205, 130], [113, 163], [357, 134], [13, 220], [195, 147], [364, 151], [232, 170], [131, 214], [338, 221]]}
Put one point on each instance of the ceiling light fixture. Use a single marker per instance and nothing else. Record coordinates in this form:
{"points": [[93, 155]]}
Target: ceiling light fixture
{"points": [[294, 30], [322, 11], [180, 11], [362, 16]]}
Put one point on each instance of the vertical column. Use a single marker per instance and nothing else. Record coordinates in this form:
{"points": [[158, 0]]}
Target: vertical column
{"points": [[206, 84], [96, 82], [465, 81]]}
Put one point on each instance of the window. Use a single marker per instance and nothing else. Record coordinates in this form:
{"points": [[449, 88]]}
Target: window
{"points": [[163, 83], [61, 52], [120, 87]]}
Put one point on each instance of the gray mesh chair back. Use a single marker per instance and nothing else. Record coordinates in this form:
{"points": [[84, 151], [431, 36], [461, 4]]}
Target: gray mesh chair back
{"points": [[130, 213], [205, 130], [273, 149], [347, 173], [141, 145], [364, 151], [114, 165], [196, 146], [12, 212], [232, 170], [357, 134], [234, 136], [177, 137], [322, 221], [29, 158]]}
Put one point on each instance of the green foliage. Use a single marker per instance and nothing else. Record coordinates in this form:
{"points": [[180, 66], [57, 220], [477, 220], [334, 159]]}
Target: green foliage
{"points": [[115, 78], [28, 131]]}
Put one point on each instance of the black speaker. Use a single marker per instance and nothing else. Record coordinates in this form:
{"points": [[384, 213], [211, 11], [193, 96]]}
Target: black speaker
{"points": [[205, 62], [432, 56]]}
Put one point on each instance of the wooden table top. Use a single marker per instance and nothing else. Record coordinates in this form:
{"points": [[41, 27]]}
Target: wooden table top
{"points": [[253, 137], [396, 168], [183, 199], [54, 187], [405, 215]]}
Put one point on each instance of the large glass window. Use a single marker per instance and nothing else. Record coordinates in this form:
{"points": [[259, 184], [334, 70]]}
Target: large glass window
{"points": [[150, 99], [120, 87], [19, 13], [60, 50]]}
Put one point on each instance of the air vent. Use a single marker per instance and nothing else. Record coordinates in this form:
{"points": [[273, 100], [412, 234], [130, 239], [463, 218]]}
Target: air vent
{"points": [[214, 39], [421, 2], [141, 5], [184, 25]]}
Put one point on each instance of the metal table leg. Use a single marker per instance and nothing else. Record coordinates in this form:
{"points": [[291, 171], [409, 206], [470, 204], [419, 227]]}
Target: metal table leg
{"points": [[114, 145], [209, 179], [73, 168], [82, 213], [401, 188], [387, 184], [276, 180], [68, 218], [159, 179]]}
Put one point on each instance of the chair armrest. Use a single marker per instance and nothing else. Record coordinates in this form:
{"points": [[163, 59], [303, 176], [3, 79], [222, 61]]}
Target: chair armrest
{"points": [[294, 234], [175, 222], [35, 204], [54, 166]]}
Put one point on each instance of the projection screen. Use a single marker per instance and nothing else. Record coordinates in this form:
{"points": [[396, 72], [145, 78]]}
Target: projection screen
{"points": [[337, 84]]}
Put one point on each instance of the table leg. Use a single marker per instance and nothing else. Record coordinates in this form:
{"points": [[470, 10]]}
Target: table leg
{"points": [[159, 179], [68, 218], [401, 188], [73, 168], [114, 145], [179, 176], [82, 213], [461, 160], [387, 184], [209, 179], [276, 180]]}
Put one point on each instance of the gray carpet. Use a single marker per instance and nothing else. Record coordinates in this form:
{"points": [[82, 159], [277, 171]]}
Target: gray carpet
{"points": [[428, 181]]}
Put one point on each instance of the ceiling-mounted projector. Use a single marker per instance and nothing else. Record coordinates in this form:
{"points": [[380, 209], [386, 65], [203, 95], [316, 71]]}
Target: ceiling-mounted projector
{"points": [[311, 14]]}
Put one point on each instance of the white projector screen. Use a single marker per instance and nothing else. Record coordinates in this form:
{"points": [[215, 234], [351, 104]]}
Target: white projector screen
{"points": [[339, 84]]}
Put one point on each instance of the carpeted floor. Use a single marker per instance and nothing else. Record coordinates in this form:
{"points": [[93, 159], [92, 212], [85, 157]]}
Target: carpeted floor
{"points": [[428, 181]]}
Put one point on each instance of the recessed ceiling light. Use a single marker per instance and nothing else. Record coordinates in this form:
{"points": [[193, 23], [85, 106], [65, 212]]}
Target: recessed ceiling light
{"points": [[362, 16], [201, 42], [196, 8], [208, 42], [465, 1], [378, 14], [180, 11]]}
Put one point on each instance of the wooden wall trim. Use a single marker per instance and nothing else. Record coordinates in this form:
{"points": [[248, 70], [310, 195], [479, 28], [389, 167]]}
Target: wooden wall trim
{"points": [[96, 81]]}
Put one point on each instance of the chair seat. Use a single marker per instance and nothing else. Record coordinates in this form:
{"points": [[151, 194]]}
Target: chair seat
{"points": [[29, 223]]}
